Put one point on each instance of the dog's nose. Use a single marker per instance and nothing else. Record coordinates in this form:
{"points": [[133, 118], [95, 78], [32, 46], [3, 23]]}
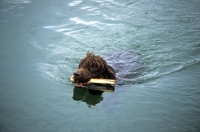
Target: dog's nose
{"points": [[77, 74]]}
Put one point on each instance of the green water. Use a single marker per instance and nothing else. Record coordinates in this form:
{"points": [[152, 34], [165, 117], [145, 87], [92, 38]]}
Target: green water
{"points": [[42, 42]]}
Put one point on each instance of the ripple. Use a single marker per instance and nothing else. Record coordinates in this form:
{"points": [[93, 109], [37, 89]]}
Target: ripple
{"points": [[75, 3], [17, 1], [34, 43], [165, 70], [79, 21], [55, 27], [59, 72]]}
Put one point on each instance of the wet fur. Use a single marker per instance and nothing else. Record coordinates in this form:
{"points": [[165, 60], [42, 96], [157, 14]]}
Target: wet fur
{"points": [[93, 66]]}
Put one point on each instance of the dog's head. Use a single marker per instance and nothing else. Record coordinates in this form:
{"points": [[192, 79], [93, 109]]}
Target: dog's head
{"points": [[93, 66], [82, 76]]}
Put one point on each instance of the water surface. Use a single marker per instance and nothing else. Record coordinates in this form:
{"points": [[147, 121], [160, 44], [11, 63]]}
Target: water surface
{"points": [[41, 44]]}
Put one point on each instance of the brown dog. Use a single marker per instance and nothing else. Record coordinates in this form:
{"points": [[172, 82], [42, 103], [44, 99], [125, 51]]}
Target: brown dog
{"points": [[92, 66]]}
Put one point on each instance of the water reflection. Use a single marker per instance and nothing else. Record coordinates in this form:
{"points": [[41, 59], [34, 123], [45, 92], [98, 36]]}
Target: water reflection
{"points": [[90, 97], [91, 94]]}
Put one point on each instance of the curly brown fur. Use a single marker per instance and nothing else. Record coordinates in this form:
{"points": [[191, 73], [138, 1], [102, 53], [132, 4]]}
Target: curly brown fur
{"points": [[93, 66]]}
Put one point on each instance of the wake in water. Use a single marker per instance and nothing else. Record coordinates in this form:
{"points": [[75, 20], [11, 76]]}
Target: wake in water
{"points": [[165, 70], [127, 66]]}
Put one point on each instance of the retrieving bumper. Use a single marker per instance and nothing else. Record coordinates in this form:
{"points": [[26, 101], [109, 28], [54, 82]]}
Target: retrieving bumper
{"points": [[99, 81], [106, 85]]}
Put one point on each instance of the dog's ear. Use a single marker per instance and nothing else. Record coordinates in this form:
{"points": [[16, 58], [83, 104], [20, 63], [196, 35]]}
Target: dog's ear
{"points": [[111, 72]]}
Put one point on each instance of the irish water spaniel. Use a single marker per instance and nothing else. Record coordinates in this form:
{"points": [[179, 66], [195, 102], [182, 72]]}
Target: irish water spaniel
{"points": [[92, 66]]}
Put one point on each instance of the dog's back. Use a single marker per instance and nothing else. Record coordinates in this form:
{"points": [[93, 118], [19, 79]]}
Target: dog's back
{"points": [[126, 64]]}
